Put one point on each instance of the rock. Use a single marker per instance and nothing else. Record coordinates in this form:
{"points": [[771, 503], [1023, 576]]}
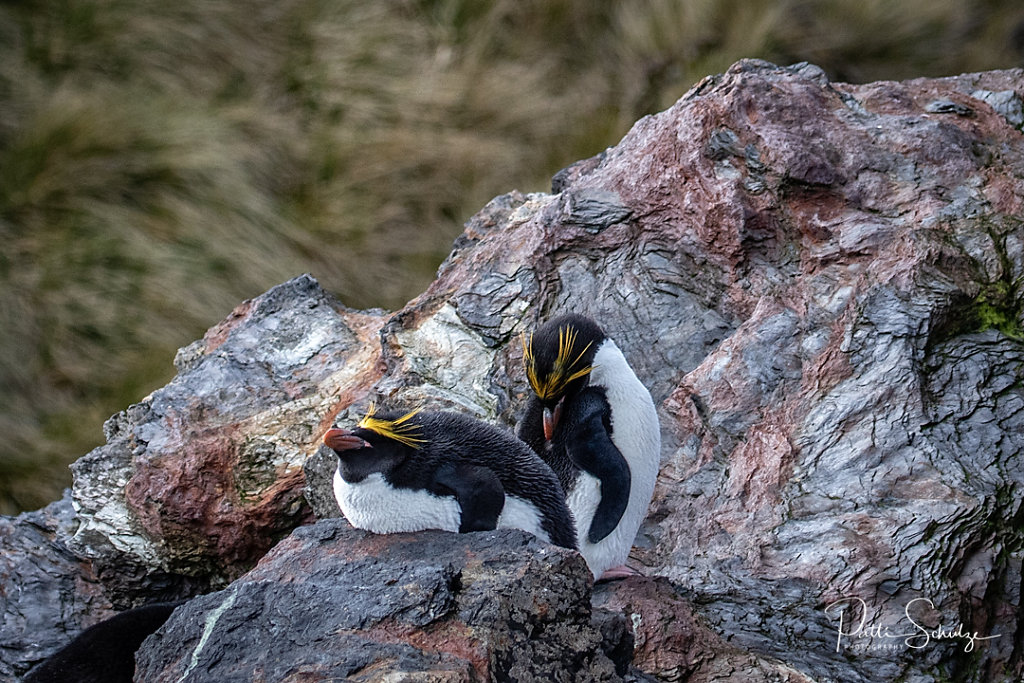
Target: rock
{"points": [[331, 602], [203, 476], [816, 453], [820, 283], [673, 642], [47, 594]]}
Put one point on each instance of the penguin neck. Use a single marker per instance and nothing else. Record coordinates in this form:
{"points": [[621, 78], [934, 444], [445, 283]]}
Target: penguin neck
{"points": [[610, 369], [633, 412]]}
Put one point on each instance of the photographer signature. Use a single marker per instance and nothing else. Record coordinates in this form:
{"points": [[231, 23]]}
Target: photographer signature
{"points": [[916, 636]]}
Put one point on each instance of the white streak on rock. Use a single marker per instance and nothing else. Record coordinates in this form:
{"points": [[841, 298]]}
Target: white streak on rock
{"points": [[211, 622]]}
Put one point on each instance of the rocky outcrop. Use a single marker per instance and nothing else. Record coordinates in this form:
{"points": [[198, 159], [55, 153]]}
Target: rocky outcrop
{"points": [[821, 285], [672, 642], [204, 476], [334, 603], [48, 594]]}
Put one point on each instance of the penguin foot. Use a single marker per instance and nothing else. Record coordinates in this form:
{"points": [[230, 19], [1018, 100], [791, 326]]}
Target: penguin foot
{"points": [[621, 572]]}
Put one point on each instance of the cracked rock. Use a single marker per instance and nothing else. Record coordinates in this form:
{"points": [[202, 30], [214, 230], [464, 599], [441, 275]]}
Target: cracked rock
{"points": [[821, 285], [331, 602]]}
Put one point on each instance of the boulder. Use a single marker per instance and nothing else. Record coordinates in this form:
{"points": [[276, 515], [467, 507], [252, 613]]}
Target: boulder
{"points": [[202, 477], [672, 641], [332, 603], [819, 282], [47, 594]]}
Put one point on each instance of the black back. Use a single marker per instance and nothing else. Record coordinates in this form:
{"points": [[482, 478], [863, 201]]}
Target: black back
{"points": [[464, 457], [104, 652]]}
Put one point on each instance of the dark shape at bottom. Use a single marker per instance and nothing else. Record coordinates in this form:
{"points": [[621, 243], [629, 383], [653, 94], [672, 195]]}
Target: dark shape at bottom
{"points": [[104, 652]]}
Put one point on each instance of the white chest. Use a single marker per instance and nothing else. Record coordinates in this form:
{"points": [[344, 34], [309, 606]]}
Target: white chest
{"points": [[635, 429], [520, 513], [375, 505], [637, 435]]}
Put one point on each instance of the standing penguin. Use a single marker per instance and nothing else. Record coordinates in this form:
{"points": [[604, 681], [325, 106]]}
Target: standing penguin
{"points": [[440, 470], [593, 421]]}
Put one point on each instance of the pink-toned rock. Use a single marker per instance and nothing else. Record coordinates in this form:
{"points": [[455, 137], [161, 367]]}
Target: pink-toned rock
{"points": [[205, 475], [821, 285], [674, 643]]}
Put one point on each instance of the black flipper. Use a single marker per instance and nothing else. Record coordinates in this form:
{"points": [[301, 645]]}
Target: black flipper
{"points": [[590, 446], [478, 491]]}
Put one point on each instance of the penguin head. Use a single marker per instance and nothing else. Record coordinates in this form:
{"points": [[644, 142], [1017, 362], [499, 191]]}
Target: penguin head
{"points": [[379, 443], [558, 358]]}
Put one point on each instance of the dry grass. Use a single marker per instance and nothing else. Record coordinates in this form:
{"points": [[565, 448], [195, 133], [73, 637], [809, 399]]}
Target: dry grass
{"points": [[159, 162]]}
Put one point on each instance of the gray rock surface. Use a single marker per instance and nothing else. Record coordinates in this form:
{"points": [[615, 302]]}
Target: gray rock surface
{"points": [[203, 476], [333, 603], [821, 285], [47, 594]]}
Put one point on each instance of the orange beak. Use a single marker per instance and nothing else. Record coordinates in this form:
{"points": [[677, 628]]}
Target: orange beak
{"points": [[551, 418], [343, 440]]}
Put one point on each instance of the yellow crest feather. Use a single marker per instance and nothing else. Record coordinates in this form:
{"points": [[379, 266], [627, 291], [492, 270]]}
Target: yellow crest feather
{"points": [[564, 369], [399, 429]]}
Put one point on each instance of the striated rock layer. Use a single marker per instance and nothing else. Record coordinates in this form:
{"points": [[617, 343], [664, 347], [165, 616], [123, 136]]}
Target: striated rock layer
{"points": [[820, 283]]}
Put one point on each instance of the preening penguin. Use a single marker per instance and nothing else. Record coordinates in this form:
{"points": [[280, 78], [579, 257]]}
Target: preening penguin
{"points": [[440, 470], [593, 421]]}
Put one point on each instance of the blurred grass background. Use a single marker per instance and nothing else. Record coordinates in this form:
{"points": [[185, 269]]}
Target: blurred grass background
{"points": [[161, 162]]}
